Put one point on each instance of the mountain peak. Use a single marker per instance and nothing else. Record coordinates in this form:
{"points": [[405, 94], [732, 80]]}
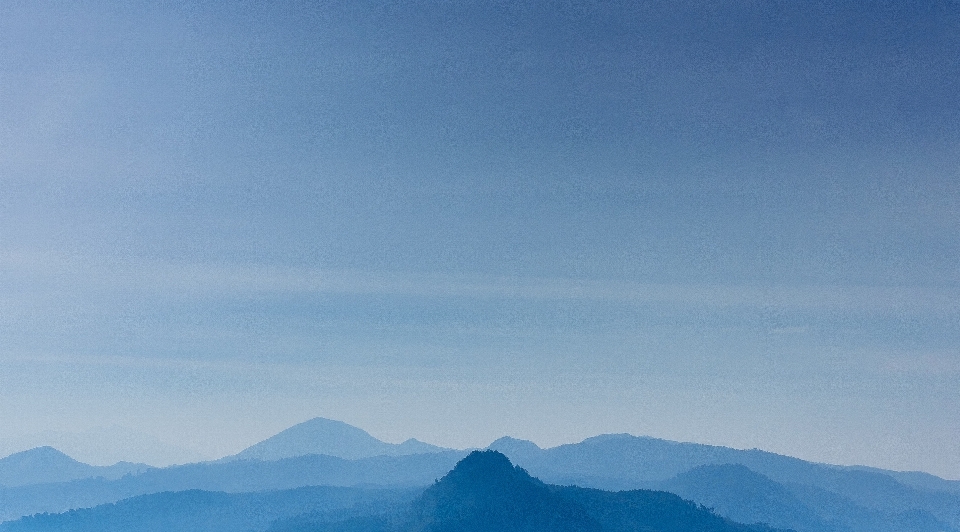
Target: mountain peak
{"points": [[330, 437], [486, 472], [322, 422], [487, 464], [315, 436], [486, 492], [38, 465], [44, 454], [415, 446]]}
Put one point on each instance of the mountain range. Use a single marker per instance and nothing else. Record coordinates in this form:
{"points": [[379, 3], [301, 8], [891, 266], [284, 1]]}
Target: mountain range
{"points": [[207, 511], [483, 492], [748, 486], [784, 491], [236, 476], [486, 493]]}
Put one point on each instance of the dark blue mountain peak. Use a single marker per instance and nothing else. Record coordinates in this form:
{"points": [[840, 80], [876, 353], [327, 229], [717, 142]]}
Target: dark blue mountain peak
{"points": [[482, 479], [486, 492], [487, 468]]}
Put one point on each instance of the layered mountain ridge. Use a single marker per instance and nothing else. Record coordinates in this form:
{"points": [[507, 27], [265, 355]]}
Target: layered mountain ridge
{"points": [[485, 492], [748, 486]]}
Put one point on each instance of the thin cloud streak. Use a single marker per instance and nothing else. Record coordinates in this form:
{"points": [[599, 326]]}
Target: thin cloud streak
{"points": [[203, 280]]}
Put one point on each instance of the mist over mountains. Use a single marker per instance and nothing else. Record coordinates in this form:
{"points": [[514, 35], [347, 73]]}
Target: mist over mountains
{"points": [[730, 221], [740, 486], [483, 492]]}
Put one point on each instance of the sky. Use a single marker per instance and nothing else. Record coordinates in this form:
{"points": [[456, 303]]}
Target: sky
{"points": [[732, 223]]}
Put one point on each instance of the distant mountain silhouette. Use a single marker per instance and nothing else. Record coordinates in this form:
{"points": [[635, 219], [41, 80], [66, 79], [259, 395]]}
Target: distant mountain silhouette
{"points": [[486, 493], [204, 511], [749, 486], [234, 476], [846, 514], [768, 487], [105, 446], [737, 492], [46, 464], [329, 437]]}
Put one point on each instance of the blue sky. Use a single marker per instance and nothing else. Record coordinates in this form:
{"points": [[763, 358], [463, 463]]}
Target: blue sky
{"points": [[731, 224]]}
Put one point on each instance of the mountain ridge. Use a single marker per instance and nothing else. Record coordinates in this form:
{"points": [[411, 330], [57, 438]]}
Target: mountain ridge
{"points": [[742, 484], [105, 446], [864, 499], [45, 464], [233, 476], [485, 492], [210, 511], [332, 438]]}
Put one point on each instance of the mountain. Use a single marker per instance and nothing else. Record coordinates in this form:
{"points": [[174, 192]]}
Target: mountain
{"points": [[780, 489], [483, 492], [738, 493], [845, 514], [332, 438], [622, 461], [204, 511], [46, 464], [233, 476], [486, 493], [105, 446], [742, 485]]}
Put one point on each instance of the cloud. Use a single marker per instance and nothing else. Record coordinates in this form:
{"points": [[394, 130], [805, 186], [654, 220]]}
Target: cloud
{"points": [[227, 281]]}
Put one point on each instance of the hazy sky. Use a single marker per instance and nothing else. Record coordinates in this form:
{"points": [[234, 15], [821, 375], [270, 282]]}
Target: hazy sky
{"points": [[734, 223]]}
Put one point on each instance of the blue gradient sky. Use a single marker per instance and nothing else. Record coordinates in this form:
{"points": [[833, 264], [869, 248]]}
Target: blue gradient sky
{"points": [[734, 223]]}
